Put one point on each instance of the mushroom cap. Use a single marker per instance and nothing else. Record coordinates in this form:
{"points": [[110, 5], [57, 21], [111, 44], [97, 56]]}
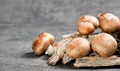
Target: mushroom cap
{"points": [[85, 28], [103, 44], [108, 22], [41, 43], [78, 47], [91, 19]]}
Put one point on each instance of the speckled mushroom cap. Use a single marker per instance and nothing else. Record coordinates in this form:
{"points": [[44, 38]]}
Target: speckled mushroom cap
{"points": [[90, 19], [103, 44], [108, 22], [78, 47], [41, 42]]}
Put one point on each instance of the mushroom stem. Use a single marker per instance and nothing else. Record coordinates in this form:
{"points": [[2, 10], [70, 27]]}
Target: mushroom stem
{"points": [[77, 34], [66, 58], [50, 50], [72, 35], [59, 52], [85, 36]]}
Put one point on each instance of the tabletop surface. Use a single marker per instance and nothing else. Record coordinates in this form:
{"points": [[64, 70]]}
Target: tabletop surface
{"points": [[22, 20]]}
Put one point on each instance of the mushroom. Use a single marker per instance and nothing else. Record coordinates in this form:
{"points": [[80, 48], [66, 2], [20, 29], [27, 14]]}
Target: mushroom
{"points": [[66, 58], [90, 19], [42, 42], [85, 28], [78, 47], [108, 22], [103, 44], [87, 24]]}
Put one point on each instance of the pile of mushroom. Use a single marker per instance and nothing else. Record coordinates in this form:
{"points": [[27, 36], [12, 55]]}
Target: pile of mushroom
{"points": [[82, 44]]}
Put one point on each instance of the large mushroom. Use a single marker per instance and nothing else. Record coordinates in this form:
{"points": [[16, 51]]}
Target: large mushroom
{"points": [[103, 44], [108, 22], [78, 47]]}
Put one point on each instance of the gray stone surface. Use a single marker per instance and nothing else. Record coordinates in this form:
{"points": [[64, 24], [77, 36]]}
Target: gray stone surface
{"points": [[22, 20]]}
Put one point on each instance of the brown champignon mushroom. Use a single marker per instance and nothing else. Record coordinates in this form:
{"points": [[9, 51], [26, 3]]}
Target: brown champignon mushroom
{"points": [[42, 42], [91, 19], [103, 44], [108, 22], [85, 28], [78, 47]]}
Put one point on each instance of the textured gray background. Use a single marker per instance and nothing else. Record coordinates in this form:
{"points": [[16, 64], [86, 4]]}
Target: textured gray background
{"points": [[22, 20]]}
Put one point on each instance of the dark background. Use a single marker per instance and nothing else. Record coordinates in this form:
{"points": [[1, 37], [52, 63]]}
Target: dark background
{"points": [[22, 20]]}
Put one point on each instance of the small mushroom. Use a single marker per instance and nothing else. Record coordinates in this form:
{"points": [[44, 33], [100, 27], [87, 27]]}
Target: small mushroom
{"points": [[87, 24], [85, 28], [103, 44], [78, 47], [42, 42], [108, 22], [90, 19]]}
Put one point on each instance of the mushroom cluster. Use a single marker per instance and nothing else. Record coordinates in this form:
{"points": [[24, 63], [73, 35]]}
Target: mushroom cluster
{"points": [[75, 45], [87, 24]]}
